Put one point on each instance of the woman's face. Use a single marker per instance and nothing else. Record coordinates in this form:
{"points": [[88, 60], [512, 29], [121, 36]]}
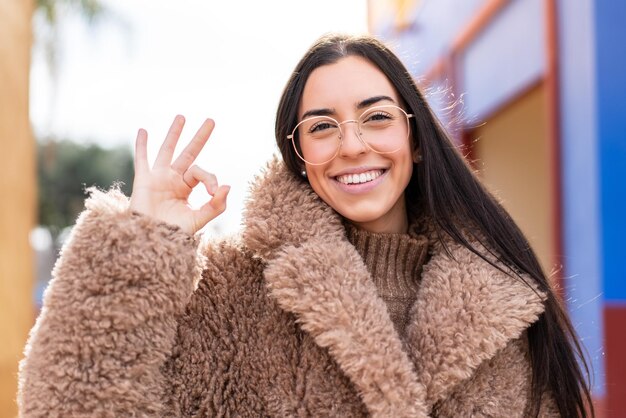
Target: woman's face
{"points": [[373, 200]]}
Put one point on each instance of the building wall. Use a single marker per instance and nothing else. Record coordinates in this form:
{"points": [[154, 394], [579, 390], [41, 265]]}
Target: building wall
{"points": [[593, 88], [610, 72], [421, 43], [17, 188], [514, 164], [503, 59], [488, 54], [580, 172]]}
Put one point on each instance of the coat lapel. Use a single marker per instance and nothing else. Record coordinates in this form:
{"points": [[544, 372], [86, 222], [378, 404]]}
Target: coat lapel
{"points": [[465, 312]]}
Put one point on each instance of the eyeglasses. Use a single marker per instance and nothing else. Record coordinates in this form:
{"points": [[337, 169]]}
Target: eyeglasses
{"points": [[382, 129]]}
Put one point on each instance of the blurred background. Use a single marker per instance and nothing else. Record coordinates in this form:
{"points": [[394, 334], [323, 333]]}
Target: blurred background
{"points": [[532, 92]]}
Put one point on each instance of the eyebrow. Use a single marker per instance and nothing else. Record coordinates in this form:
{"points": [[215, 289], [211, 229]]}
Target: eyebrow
{"points": [[361, 105], [372, 100]]}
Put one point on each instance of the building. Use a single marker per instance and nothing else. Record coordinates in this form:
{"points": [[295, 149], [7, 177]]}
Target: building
{"points": [[538, 87]]}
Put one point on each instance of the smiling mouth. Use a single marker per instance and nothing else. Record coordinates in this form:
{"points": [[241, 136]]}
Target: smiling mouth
{"points": [[359, 178]]}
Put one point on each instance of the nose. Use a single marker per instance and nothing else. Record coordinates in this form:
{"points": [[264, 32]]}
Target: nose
{"points": [[352, 144]]}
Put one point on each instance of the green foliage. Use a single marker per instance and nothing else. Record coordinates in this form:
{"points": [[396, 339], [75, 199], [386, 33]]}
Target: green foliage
{"points": [[65, 169], [88, 8], [53, 12]]}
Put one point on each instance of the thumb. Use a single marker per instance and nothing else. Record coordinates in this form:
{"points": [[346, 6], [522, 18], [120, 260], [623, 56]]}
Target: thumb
{"points": [[214, 207]]}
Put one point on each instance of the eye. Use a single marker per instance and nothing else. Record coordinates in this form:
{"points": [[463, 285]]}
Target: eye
{"points": [[378, 116], [322, 126]]}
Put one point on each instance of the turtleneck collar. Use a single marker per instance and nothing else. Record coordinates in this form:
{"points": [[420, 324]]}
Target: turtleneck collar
{"points": [[394, 260]]}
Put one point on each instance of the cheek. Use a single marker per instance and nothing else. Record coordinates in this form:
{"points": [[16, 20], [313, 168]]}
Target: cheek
{"points": [[315, 153], [404, 169], [322, 186], [316, 179]]}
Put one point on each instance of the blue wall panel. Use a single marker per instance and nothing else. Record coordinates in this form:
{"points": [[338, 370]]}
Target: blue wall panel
{"points": [[507, 57], [580, 179], [610, 18]]}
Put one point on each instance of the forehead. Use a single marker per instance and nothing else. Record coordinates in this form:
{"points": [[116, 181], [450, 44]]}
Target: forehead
{"points": [[343, 84]]}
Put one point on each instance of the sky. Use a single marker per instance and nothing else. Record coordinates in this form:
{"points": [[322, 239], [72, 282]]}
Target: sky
{"points": [[145, 61]]}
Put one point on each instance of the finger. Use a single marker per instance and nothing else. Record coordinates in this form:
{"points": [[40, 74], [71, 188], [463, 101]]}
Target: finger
{"points": [[214, 207], [164, 157], [191, 151], [141, 152], [195, 175]]}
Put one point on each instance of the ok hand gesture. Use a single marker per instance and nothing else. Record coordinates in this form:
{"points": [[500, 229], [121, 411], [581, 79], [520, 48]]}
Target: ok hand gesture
{"points": [[163, 191]]}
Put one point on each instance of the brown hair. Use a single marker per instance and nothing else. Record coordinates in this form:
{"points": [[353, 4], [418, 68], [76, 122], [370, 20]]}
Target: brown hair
{"points": [[445, 189]]}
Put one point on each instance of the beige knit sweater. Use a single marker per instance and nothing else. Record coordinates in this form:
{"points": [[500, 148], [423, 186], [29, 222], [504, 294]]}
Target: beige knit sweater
{"points": [[395, 264]]}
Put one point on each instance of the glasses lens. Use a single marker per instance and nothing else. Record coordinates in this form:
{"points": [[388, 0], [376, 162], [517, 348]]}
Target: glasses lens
{"points": [[384, 128], [316, 140]]}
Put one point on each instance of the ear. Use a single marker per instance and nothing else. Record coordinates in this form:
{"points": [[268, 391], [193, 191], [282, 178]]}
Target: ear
{"points": [[417, 156]]}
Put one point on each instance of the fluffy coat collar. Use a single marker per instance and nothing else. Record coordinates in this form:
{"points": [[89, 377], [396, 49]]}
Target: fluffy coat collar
{"points": [[465, 312]]}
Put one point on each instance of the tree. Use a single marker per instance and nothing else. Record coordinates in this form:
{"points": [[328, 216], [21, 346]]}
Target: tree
{"points": [[17, 188], [18, 182], [65, 169], [90, 9]]}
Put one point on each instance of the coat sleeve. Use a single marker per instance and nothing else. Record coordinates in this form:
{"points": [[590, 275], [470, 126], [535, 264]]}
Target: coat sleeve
{"points": [[214, 369], [109, 316]]}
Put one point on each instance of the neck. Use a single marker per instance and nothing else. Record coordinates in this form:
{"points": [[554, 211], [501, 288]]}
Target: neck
{"points": [[396, 221]]}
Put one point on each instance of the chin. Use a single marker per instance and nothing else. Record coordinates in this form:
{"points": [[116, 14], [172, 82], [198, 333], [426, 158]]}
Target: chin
{"points": [[361, 217]]}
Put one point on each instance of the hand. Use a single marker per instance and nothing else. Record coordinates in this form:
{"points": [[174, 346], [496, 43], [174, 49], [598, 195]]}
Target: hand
{"points": [[163, 191]]}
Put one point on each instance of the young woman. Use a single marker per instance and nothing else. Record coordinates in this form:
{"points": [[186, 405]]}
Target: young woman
{"points": [[374, 276]]}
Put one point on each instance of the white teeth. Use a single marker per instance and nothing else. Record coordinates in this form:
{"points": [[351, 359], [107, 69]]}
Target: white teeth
{"points": [[359, 178]]}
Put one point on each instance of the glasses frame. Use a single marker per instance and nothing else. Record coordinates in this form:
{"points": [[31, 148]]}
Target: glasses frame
{"points": [[292, 137]]}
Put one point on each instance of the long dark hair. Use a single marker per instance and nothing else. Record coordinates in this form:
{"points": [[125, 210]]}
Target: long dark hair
{"points": [[444, 188]]}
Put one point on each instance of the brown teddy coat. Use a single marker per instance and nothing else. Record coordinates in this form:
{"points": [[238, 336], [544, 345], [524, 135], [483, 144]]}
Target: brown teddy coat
{"points": [[284, 322]]}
